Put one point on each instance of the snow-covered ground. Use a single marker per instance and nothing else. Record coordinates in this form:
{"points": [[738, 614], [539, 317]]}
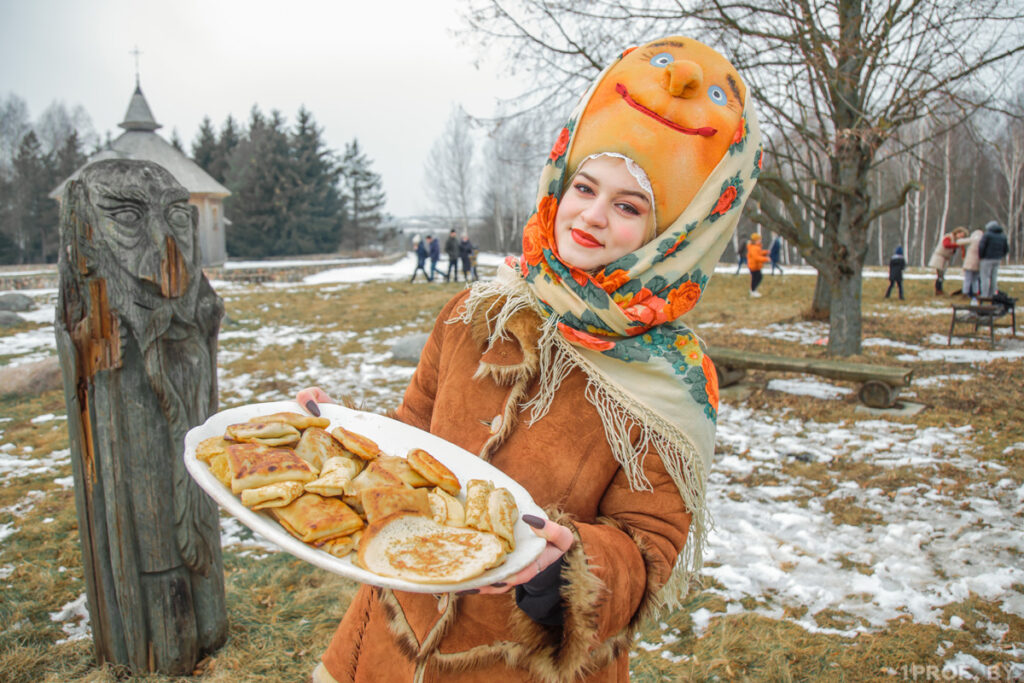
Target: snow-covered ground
{"points": [[779, 543]]}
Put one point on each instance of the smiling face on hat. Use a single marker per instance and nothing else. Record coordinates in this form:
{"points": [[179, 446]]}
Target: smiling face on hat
{"points": [[674, 106]]}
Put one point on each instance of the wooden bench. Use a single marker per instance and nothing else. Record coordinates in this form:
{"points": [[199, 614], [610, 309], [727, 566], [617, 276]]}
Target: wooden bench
{"points": [[985, 312], [880, 384]]}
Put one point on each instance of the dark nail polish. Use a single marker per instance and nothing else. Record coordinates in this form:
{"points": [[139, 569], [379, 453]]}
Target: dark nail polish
{"points": [[534, 521], [313, 408], [469, 591]]}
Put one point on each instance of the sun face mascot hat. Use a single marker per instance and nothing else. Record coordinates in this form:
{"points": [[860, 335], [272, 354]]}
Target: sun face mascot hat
{"points": [[680, 111]]}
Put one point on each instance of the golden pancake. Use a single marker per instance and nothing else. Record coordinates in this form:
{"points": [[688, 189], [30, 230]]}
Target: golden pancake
{"points": [[271, 495], [253, 465], [416, 548], [363, 447], [266, 433], [313, 518], [433, 471]]}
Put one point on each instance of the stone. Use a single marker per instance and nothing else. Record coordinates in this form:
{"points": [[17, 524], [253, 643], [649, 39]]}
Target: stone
{"points": [[30, 379], [408, 349], [9, 319], [16, 301]]}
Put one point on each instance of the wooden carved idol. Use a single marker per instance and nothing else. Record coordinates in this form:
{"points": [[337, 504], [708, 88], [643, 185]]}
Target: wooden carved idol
{"points": [[137, 325]]}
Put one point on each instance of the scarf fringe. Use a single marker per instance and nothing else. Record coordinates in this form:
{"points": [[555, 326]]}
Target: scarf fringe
{"points": [[620, 414]]}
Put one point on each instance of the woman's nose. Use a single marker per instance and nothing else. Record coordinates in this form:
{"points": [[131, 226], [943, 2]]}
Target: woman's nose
{"points": [[596, 214], [682, 78]]}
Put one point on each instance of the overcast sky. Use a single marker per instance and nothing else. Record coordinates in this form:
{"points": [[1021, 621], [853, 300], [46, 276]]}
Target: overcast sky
{"points": [[386, 72]]}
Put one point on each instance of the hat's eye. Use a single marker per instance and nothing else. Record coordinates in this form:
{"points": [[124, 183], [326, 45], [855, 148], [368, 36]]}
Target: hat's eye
{"points": [[718, 96], [662, 59]]}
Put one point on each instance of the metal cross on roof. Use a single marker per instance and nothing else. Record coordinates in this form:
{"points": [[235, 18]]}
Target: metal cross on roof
{"points": [[136, 52]]}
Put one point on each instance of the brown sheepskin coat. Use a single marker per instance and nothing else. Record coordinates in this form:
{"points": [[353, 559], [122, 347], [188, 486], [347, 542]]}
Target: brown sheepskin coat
{"points": [[626, 541]]}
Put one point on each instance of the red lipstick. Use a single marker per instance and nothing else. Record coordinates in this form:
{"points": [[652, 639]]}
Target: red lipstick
{"points": [[584, 239]]}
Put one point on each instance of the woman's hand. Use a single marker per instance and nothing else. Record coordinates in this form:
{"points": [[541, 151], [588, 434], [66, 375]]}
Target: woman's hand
{"points": [[559, 539], [310, 397]]}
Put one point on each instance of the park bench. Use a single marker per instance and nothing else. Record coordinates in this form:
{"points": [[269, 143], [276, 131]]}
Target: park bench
{"points": [[880, 384], [985, 312]]}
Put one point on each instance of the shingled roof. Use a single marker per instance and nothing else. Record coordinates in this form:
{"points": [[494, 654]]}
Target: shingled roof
{"points": [[140, 141]]}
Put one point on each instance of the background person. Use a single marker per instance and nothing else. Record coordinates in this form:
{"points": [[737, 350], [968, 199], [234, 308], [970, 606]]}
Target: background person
{"points": [[756, 258], [434, 250], [421, 258], [991, 250], [570, 374], [972, 283], [466, 250], [451, 249], [943, 254], [775, 254], [897, 264]]}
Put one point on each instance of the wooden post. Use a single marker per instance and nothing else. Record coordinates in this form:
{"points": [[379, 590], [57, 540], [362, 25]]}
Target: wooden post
{"points": [[136, 327]]}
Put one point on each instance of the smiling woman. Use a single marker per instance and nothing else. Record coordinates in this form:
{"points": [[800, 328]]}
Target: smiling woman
{"points": [[572, 374]]}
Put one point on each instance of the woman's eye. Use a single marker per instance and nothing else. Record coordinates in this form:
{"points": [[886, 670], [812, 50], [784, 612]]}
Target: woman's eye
{"points": [[662, 59], [718, 95], [583, 189], [630, 209]]}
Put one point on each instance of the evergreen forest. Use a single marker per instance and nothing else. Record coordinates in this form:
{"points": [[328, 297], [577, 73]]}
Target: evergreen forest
{"points": [[290, 193]]}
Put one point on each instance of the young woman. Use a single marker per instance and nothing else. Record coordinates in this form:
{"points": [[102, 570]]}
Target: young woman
{"points": [[572, 373]]}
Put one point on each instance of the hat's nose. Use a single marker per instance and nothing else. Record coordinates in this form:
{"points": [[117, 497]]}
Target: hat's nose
{"points": [[682, 78]]}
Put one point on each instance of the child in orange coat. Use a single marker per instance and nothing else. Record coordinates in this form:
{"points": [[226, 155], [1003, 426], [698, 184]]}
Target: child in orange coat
{"points": [[756, 257]]}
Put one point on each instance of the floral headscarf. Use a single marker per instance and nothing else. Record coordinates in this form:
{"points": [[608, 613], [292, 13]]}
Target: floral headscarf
{"points": [[647, 370]]}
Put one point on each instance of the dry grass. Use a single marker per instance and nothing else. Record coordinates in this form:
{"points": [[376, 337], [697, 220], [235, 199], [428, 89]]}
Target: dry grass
{"points": [[282, 611]]}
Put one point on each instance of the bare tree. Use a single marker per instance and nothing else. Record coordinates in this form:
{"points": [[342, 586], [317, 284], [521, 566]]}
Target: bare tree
{"points": [[449, 169], [515, 152], [834, 80], [1002, 136]]}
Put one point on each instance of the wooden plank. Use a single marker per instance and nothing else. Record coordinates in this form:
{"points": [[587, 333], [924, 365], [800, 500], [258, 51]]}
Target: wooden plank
{"points": [[834, 369]]}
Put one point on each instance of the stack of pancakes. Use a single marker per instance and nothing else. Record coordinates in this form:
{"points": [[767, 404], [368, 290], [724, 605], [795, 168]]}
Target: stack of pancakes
{"points": [[337, 491]]}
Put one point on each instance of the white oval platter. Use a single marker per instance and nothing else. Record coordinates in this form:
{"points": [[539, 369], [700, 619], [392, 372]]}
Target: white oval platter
{"points": [[394, 438]]}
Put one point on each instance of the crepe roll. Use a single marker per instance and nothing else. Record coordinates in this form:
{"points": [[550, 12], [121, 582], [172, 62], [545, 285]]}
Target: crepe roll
{"points": [[478, 493], [502, 514], [271, 495], [431, 469], [296, 420], [400, 468], [373, 476], [253, 465], [313, 518], [341, 546], [454, 514], [363, 447], [381, 501], [266, 433], [336, 473], [316, 447]]}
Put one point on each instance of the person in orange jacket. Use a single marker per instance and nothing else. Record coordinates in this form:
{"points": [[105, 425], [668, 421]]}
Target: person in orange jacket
{"points": [[756, 257]]}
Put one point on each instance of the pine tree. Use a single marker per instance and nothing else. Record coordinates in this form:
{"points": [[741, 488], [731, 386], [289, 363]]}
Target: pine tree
{"points": [[176, 142], [364, 197], [34, 216], [230, 137], [204, 147], [262, 187], [317, 201]]}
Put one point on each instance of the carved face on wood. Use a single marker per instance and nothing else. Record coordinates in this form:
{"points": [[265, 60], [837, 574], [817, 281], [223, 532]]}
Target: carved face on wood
{"points": [[140, 212]]}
